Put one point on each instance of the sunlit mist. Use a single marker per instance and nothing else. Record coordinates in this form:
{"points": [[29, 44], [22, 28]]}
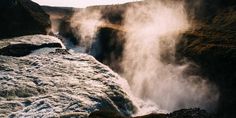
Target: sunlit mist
{"points": [[85, 24], [148, 63], [152, 30]]}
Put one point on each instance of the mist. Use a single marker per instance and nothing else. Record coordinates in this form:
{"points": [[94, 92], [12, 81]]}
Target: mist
{"points": [[152, 30], [85, 25]]}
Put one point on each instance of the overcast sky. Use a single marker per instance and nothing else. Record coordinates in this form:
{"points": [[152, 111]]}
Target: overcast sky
{"points": [[79, 3]]}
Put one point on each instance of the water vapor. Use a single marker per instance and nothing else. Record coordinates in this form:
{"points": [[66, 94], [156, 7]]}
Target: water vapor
{"points": [[153, 29], [85, 25]]}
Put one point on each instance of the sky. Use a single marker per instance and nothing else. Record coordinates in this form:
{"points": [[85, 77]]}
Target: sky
{"points": [[79, 3]]}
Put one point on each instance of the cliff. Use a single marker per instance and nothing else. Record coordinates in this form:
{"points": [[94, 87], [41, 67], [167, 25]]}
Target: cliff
{"points": [[212, 45]]}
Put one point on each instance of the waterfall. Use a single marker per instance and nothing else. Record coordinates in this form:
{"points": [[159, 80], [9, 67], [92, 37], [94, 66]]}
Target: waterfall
{"points": [[153, 29]]}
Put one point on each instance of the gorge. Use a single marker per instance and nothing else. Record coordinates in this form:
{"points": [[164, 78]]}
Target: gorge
{"points": [[169, 55]]}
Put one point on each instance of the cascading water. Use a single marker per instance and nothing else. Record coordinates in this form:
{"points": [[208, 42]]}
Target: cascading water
{"points": [[152, 32]]}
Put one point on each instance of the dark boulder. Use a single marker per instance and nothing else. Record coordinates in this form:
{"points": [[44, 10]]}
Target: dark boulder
{"points": [[22, 17]]}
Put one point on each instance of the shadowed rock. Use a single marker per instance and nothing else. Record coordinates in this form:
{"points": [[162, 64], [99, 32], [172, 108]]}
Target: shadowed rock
{"points": [[22, 17], [184, 113], [19, 50], [106, 114]]}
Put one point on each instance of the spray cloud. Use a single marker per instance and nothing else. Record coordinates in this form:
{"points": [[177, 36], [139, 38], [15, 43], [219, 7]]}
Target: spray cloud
{"points": [[85, 24], [153, 29]]}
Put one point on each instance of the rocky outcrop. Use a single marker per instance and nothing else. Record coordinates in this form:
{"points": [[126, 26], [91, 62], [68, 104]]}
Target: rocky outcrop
{"points": [[22, 17], [58, 84]]}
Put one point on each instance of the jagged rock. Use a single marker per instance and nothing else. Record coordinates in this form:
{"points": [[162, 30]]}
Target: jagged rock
{"points": [[22, 17]]}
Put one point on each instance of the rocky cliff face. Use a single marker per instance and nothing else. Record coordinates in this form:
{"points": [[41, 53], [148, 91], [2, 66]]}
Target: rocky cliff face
{"points": [[212, 45], [22, 17]]}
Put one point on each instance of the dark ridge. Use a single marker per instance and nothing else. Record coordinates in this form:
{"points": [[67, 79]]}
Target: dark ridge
{"points": [[105, 114], [19, 50], [68, 11]]}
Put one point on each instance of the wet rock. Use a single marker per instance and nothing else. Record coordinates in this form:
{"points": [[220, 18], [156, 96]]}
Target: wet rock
{"points": [[22, 17]]}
